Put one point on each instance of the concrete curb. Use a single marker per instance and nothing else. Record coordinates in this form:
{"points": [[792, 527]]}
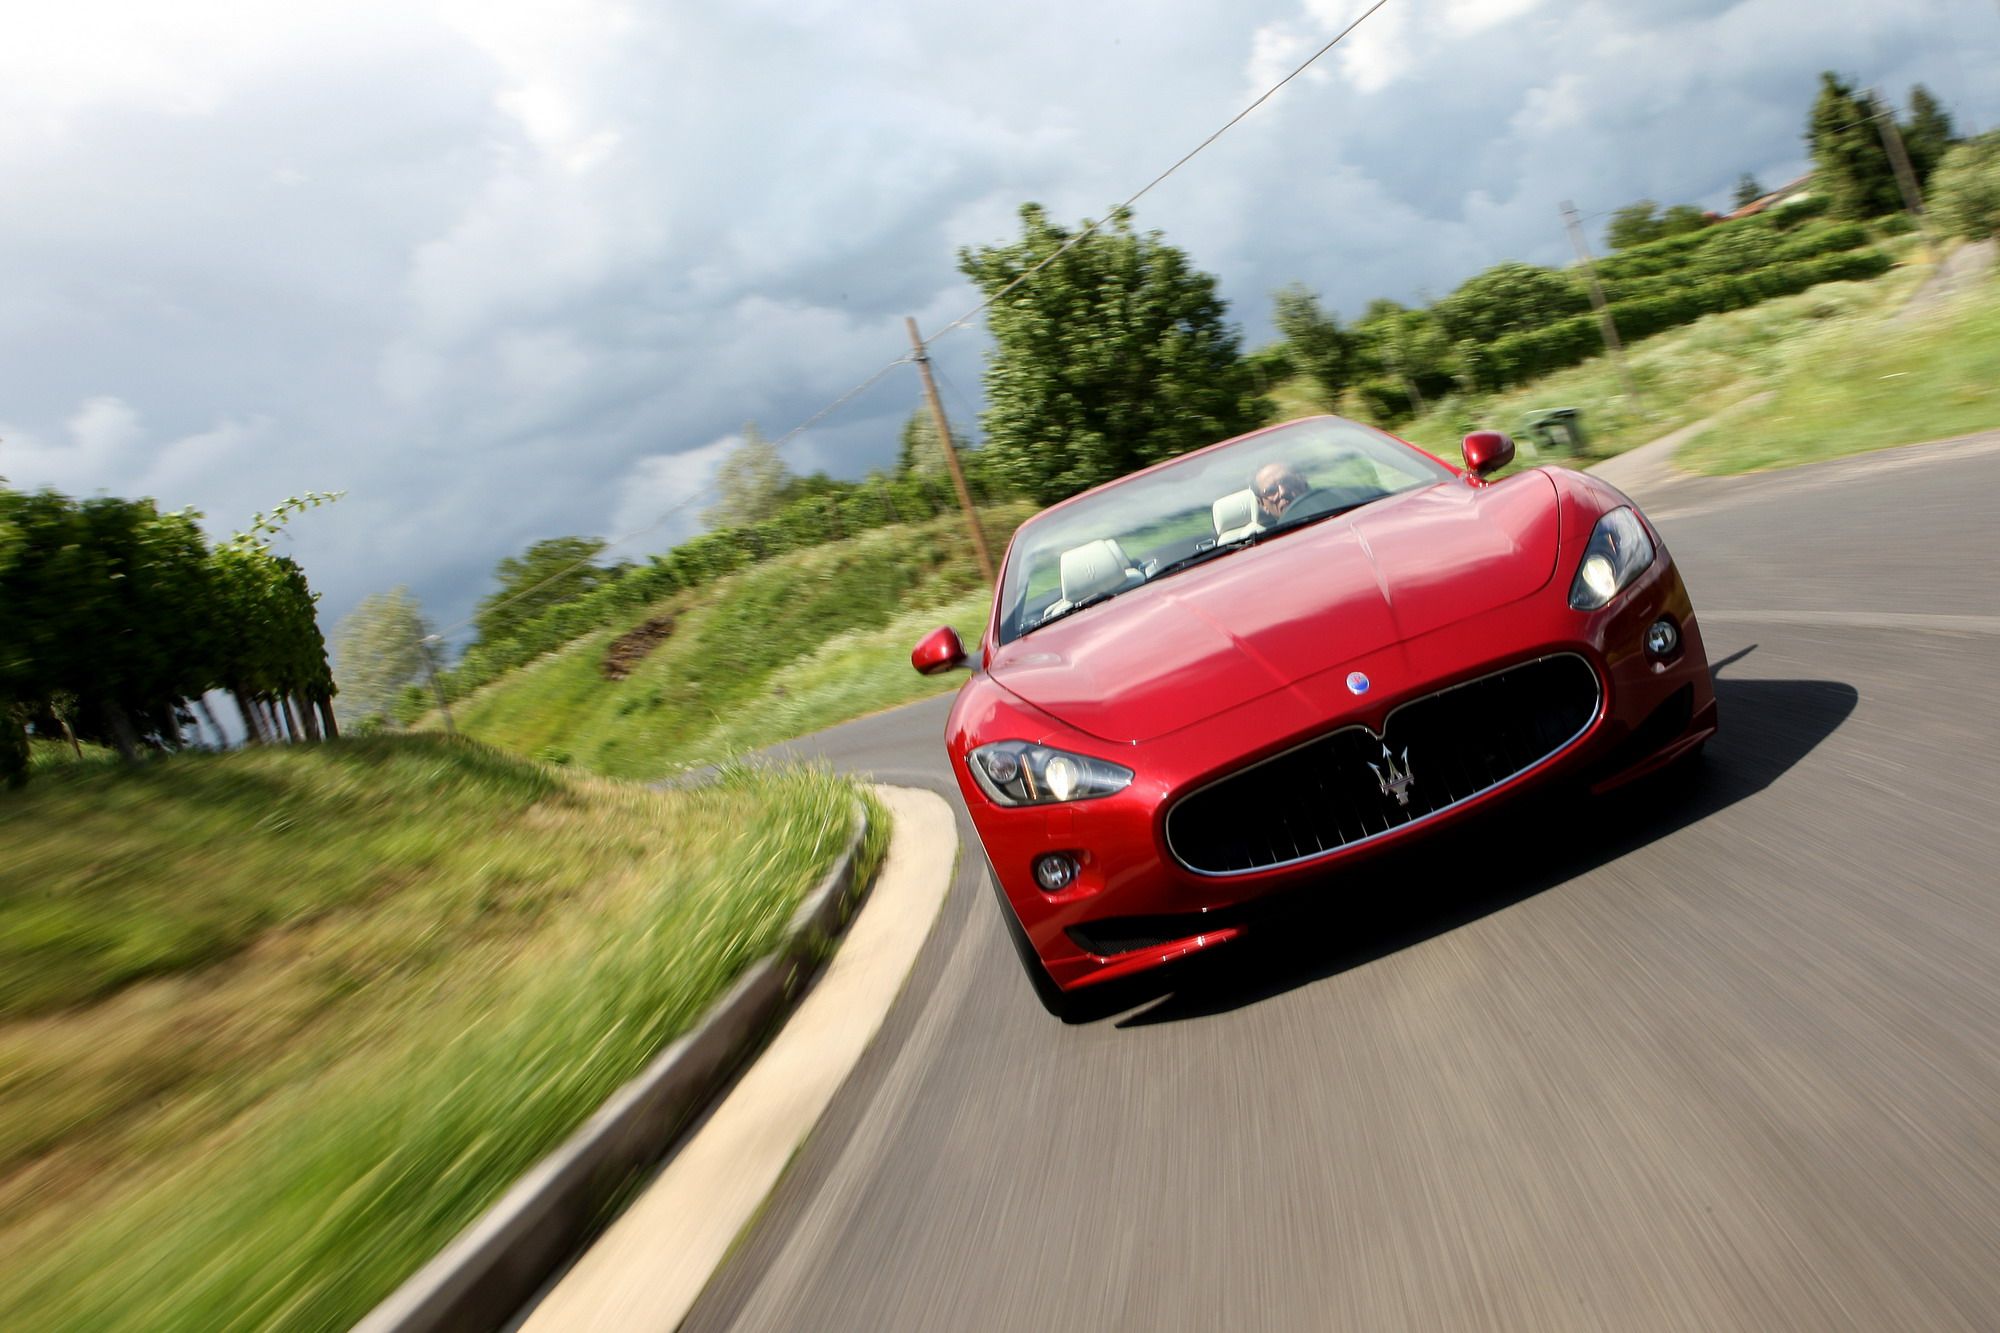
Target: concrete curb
{"points": [[483, 1277]]}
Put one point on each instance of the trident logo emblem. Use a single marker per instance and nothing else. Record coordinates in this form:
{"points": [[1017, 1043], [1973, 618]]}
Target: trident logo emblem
{"points": [[1394, 783]]}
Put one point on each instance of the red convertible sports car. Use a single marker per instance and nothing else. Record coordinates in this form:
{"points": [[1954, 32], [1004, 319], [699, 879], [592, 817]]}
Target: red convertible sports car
{"points": [[1235, 672]]}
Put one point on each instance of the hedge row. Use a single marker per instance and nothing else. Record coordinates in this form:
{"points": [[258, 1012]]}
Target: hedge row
{"points": [[1740, 252], [1673, 253], [1524, 356]]}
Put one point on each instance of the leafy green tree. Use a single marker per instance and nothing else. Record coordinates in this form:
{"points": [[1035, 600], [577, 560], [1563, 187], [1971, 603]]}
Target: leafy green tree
{"points": [[1314, 340], [1928, 134], [1748, 191], [550, 572], [1965, 190], [1634, 224], [1116, 355], [1407, 355], [1509, 298], [750, 484], [1850, 164], [380, 647], [917, 451], [1683, 218]]}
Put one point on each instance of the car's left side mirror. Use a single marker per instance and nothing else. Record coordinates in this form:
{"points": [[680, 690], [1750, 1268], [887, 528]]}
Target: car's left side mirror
{"points": [[939, 651], [1486, 452]]}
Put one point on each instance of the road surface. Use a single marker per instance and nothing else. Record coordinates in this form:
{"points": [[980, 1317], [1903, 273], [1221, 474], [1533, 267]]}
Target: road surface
{"points": [[1731, 1061]]}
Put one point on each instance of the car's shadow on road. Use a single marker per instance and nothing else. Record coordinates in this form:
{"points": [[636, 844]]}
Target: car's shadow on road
{"points": [[1484, 866]]}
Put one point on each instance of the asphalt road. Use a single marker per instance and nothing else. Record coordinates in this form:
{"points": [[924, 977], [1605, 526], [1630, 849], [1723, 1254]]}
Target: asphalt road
{"points": [[1726, 1056]]}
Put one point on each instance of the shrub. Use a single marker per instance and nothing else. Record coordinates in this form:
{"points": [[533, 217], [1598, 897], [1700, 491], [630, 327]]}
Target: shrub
{"points": [[1965, 189]]}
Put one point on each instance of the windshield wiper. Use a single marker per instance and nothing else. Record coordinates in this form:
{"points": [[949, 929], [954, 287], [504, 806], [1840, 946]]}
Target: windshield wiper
{"points": [[1251, 539], [1072, 609], [1209, 553]]}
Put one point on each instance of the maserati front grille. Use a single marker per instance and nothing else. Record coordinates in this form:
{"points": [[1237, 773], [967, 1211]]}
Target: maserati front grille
{"points": [[1351, 785]]}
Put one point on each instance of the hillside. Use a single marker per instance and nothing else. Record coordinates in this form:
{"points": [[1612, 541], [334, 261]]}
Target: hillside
{"points": [[1683, 374], [786, 646]]}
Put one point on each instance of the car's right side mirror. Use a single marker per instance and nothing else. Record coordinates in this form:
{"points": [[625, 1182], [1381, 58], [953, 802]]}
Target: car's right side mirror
{"points": [[939, 651], [1486, 452]]}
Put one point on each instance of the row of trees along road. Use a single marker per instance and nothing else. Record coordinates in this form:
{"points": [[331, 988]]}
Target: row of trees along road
{"points": [[116, 619]]}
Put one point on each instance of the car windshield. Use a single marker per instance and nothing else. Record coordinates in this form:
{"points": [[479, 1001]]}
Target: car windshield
{"points": [[1197, 509]]}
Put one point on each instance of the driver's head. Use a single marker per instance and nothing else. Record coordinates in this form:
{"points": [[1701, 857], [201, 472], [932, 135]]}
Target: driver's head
{"points": [[1276, 486]]}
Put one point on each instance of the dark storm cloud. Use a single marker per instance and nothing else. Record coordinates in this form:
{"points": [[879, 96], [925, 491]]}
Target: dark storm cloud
{"points": [[507, 271]]}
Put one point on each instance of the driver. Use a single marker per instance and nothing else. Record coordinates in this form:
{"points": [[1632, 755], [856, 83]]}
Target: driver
{"points": [[1278, 486]]}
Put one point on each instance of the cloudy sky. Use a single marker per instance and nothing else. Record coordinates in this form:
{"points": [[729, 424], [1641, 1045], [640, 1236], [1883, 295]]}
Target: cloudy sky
{"points": [[503, 271]]}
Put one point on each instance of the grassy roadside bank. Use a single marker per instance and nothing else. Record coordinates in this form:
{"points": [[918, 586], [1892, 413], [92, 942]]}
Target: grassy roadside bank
{"points": [[276, 1024], [1870, 384]]}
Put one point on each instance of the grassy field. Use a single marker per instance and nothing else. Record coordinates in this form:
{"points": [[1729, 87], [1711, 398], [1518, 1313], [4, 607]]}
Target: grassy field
{"points": [[276, 1024], [1869, 384], [780, 649]]}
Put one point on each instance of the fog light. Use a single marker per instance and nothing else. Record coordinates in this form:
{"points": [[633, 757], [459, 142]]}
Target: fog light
{"points": [[1055, 872], [1662, 638]]}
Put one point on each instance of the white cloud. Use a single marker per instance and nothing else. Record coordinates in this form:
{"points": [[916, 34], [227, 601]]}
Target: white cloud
{"points": [[660, 498]]}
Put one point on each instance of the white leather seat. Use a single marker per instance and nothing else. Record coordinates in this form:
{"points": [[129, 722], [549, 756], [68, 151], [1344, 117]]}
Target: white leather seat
{"points": [[1090, 570], [1236, 515]]}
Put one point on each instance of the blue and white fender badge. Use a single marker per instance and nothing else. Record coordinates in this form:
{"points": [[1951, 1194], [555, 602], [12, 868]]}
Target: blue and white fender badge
{"points": [[1357, 682]]}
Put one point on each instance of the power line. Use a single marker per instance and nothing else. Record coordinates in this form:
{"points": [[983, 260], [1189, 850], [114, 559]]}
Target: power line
{"points": [[1077, 239], [966, 318]]}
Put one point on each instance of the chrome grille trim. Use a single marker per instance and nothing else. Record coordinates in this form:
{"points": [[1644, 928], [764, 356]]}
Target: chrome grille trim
{"points": [[1360, 819]]}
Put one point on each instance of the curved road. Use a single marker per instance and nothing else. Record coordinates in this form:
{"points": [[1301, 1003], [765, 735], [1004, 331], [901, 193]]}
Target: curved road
{"points": [[1722, 1059]]}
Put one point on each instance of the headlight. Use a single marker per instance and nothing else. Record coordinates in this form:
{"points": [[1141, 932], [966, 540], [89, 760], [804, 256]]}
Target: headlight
{"points": [[1017, 773], [1619, 549]]}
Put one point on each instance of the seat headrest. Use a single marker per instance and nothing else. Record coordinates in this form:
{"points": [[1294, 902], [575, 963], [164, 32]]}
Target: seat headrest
{"points": [[1092, 568], [1234, 510]]}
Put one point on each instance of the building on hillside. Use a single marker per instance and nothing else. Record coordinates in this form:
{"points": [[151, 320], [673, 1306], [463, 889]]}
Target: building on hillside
{"points": [[1784, 194]]}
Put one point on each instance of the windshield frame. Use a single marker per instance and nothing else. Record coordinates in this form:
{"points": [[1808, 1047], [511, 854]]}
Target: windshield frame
{"points": [[1024, 601]]}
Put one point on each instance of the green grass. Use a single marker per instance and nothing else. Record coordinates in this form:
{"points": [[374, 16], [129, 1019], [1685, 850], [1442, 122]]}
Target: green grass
{"points": [[1869, 384], [1682, 375], [49, 754], [785, 647], [279, 1023]]}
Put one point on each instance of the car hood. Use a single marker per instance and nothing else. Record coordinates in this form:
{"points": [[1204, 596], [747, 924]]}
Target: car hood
{"points": [[1195, 644]]}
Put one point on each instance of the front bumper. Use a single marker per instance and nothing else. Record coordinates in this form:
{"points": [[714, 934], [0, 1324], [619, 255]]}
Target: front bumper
{"points": [[1133, 906]]}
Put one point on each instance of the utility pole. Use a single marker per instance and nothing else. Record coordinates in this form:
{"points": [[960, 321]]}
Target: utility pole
{"points": [[1605, 324], [437, 686], [923, 361], [1899, 158]]}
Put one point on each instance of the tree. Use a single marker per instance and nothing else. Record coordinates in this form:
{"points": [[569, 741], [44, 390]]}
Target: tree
{"points": [[114, 617], [1314, 341], [552, 571], [380, 644], [1634, 224], [918, 453], [1927, 134], [1965, 191], [1850, 164], [750, 484], [1748, 191], [1408, 356], [1509, 298], [1114, 356], [1683, 218]]}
